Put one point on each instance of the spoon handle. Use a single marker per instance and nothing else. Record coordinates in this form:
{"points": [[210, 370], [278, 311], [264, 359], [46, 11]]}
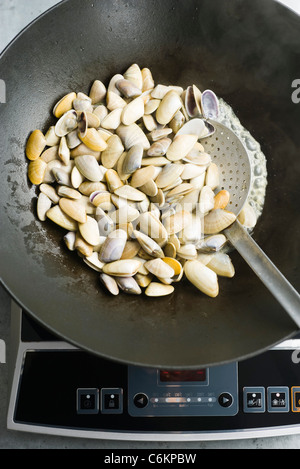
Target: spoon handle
{"points": [[267, 272]]}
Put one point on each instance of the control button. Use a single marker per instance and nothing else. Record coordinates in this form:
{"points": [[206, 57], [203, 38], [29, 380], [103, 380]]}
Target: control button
{"points": [[225, 399], [278, 399], [296, 399], [254, 400], [111, 401], [140, 400], [87, 401]]}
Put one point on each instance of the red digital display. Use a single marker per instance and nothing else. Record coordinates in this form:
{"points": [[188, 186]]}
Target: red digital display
{"points": [[190, 376]]}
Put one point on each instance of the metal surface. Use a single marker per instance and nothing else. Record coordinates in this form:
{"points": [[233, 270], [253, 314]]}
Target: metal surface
{"points": [[250, 59]]}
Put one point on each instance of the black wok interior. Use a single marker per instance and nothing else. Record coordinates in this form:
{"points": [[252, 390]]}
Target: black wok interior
{"points": [[248, 52]]}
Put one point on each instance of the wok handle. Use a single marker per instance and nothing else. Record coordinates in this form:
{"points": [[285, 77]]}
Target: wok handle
{"points": [[267, 272]]}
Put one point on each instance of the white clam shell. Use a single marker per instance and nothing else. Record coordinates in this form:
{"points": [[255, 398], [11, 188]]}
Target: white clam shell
{"points": [[88, 166], [181, 146], [170, 104], [202, 277], [90, 231]]}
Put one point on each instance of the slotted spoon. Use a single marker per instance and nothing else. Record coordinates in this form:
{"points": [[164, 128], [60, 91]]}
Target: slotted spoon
{"points": [[230, 155]]}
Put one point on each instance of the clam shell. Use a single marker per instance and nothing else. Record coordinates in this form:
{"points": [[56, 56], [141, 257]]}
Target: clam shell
{"points": [[132, 135], [61, 176], [143, 280], [133, 159], [50, 192], [159, 134], [149, 122], [168, 175], [160, 147], [35, 145], [122, 268], [56, 215], [187, 251], [69, 240], [133, 111], [112, 84], [36, 171], [101, 112], [114, 101], [112, 153], [73, 140], [222, 265], [105, 223], [217, 221], [159, 268], [73, 209], [87, 187], [82, 103], [170, 104], [90, 231], [210, 105], [63, 151], [51, 138], [156, 289], [82, 246], [150, 225], [134, 75], [113, 247], [148, 82], [130, 193], [101, 199], [176, 223], [113, 180], [110, 283], [193, 101], [43, 205], [129, 285], [149, 188], [222, 199], [97, 92], [64, 105], [248, 217], [192, 127], [125, 214], [112, 120], [177, 122], [67, 123], [76, 178], [192, 171], [151, 106], [65, 191], [88, 166], [212, 176], [192, 233], [141, 176], [181, 146], [212, 243], [179, 191], [206, 200], [128, 88], [93, 262], [148, 244], [50, 154], [202, 278], [93, 140], [155, 161], [82, 149], [131, 249]]}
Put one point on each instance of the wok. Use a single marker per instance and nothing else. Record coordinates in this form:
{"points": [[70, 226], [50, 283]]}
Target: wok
{"points": [[248, 52]]}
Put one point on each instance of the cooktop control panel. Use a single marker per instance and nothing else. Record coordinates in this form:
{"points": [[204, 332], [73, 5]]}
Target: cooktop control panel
{"points": [[208, 391]]}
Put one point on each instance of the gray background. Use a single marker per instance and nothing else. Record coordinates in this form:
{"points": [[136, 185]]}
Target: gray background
{"points": [[14, 16]]}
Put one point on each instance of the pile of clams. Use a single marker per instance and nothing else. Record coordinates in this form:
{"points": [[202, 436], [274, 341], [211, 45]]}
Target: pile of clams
{"points": [[124, 172]]}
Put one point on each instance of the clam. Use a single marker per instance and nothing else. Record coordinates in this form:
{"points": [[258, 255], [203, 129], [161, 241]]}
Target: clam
{"points": [[90, 231], [179, 191], [50, 154], [181, 146], [35, 145], [36, 171], [113, 180], [87, 187], [212, 243], [133, 159], [101, 112], [93, 262], [129, 285], [59, 175], [148, 82], [88, 166], [206, 200], [110, 283], [202, 277], [67, 123], [177, 122], [151, 106], [248, 217], [159, 268], [51, 138], [105, 223], [112, 153], [143, 280], [112, 120], [59, 217], [114, 101], [73, 140], [217, 221], [93, 140], [130, 193], [212, 176], [97, 92], [63, 151], [191, 234], [192, 171], [113, 247], [50, 192], [82, 149], [133, 111], [222, 265], [156, 289], [193, 127], [76, 178], [82, 103], [101, 199], [69, 192], [149, 122], [160, 91], [193, 101], [82, 246], [149, 188], [122, 268], [177, 222], [43, 205], [69, 240], [73, 209], [158, 134], [132, 135], [148, 244], [141, 176], [210, 105], [160, 147], [128, 88], [222, 199], [170, 104], [112, 84], [125, 214], [155, 161], [168, 175], [176, 266], [187, 251], [134, 75], [92, 120], [150, 225], [64, 105]]}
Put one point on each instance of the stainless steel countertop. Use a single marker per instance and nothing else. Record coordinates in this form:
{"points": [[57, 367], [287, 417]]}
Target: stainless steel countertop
{"points": [[14, 16]]}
